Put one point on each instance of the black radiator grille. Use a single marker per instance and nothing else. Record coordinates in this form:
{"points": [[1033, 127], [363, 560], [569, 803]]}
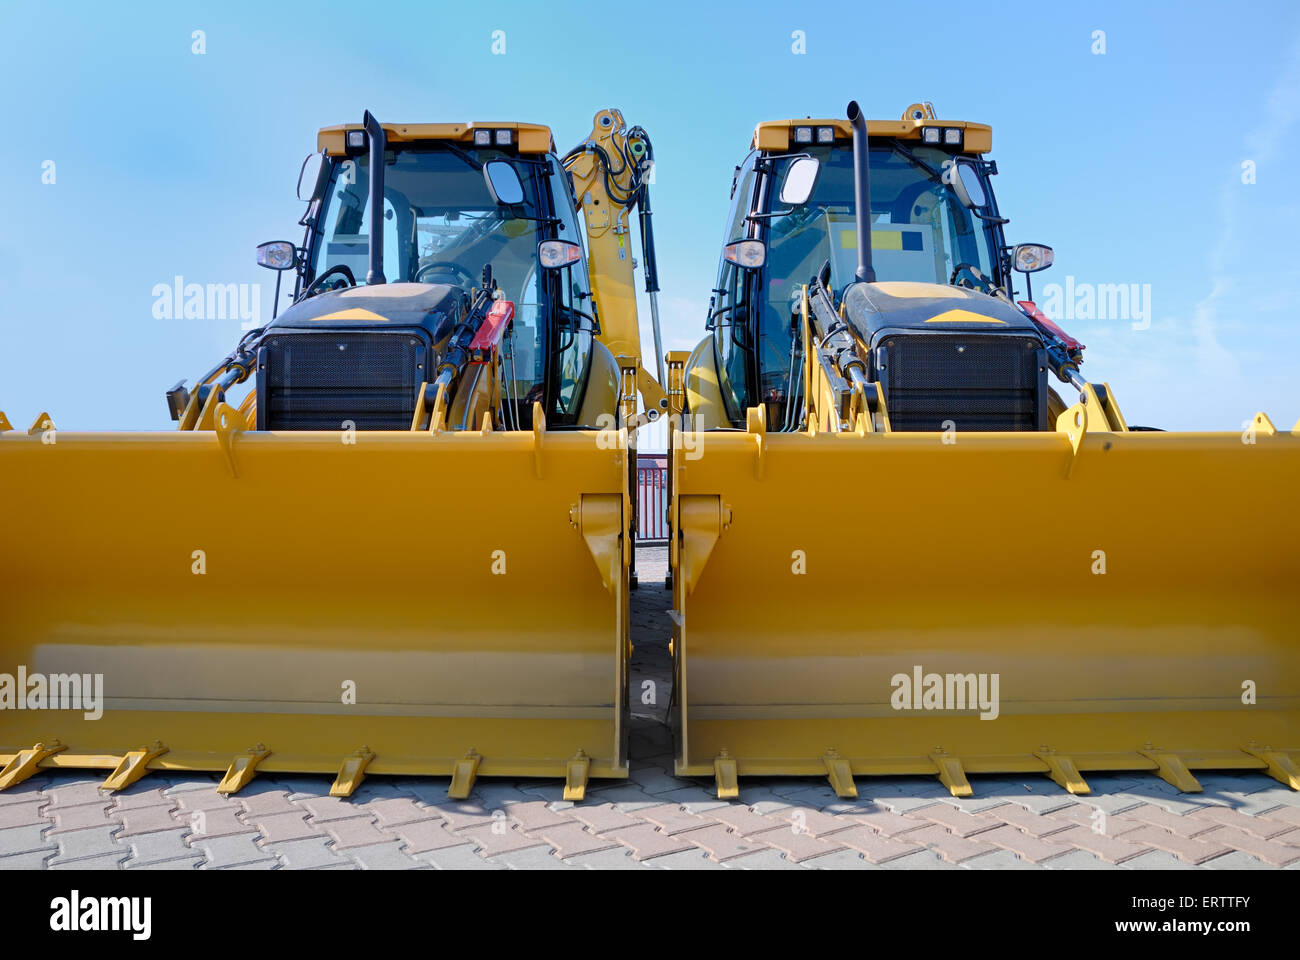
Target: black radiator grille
{"points": [[978, 382], [317, 381]]}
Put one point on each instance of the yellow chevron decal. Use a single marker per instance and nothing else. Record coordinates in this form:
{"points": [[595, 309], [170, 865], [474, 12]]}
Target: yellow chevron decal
{"points": [[963, 316]]}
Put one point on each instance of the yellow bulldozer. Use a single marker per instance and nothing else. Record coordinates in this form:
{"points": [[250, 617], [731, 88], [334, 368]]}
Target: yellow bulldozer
{"points": [[897, 549], [407, 549]]}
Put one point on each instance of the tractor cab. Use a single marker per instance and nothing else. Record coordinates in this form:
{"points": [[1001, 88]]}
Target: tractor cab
{"points": [[934, 226], [470, 216]]}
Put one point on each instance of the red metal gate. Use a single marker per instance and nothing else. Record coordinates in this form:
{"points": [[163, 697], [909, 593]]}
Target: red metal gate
{"points": [[652, 498]]}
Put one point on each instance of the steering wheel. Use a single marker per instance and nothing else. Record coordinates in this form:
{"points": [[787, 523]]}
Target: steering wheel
{"points": [[341, 270], [448, 267], [973, 278]]}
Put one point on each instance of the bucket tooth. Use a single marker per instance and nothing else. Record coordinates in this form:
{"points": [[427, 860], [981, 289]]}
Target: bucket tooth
{"points": [[25, 762], [1171, 769], [1281, 765], [725, 773], [40, 425], [464, 775], [242, 770], [351, 772], [840, 775], [575, 777], [4, 422], [133, 766], [951, 774], [1063, 771]]}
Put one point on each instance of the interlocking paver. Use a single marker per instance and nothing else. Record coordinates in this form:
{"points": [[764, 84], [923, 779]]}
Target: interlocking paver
{"points": [[29, 791], [957, 822], [325, 809], [463, 813], [1237, 861], [194, 862], [1157, 860], [71, 793], [1079, 860], [25, 839], [685, 860], [571, 839], [646, 842], [797, 844], [1026, 821], [231, 851], [215, 823], [768, 859], [90, 842], [425, 835], [1110, 847], [357, 832], [603, 817], [158, 846], [493, 840], [385, 856], [1088, 816], [1024, 845], [671, 818], [138, 820], [1183, 826], [395, 811], [810, 821], [204, 800], [921, 860], [265, 801], [948, 845], [81, 817], [533, 858], [143, 794], [290, 825], [532, 815], [1270, 851], [840, 860], [32, 860], [876, 847], [105, 861], [461, 857], [1264, 826], [723, 844], [616, 858], [1000, 860], [883, 821], [309, 854], [1193, 850], [741, 819], [29, 813]]}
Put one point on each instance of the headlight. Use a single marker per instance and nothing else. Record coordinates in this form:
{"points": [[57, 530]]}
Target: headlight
{"points": [[1032, 257], [552, 254], [749, 254]]}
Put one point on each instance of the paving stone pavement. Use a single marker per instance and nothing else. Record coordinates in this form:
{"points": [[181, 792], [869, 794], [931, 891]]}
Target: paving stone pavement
{"points": [[654, 820]]}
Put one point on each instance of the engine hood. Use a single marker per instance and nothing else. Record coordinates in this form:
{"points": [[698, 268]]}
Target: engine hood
{"points": [[876, 308], [432, 306]]}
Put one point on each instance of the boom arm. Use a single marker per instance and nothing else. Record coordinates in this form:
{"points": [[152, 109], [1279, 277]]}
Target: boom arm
{"points": [[610, 170]]}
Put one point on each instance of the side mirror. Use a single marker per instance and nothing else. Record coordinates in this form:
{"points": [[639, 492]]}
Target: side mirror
{"points": [[966, 183], [800, 178], [309, 175], [277, 255], [746, 254], [1031, 257], [503, 182], [554, 254]]}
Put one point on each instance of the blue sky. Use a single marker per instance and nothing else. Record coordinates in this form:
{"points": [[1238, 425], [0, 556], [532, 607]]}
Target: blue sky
{"points": [[1129, 163]]}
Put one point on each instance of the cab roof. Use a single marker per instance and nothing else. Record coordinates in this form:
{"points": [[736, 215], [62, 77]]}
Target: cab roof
{"points": [[528, 137], [779, 135]]}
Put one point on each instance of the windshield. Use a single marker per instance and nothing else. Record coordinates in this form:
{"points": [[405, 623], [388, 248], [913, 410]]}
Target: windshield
{"points": [[919, 229], [441, 225]]}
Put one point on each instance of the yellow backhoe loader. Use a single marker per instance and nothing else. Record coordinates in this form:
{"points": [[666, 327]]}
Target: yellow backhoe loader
{"points": [[898, 550], [406, 551]]}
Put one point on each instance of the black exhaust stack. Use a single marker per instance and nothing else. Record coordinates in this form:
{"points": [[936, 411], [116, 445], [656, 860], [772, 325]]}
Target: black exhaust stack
{"points": [[375, 134], [861, 193]]}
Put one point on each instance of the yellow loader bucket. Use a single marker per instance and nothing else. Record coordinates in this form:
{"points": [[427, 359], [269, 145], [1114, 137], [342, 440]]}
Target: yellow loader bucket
{"points": [[387, 602], [1059, 602]]}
